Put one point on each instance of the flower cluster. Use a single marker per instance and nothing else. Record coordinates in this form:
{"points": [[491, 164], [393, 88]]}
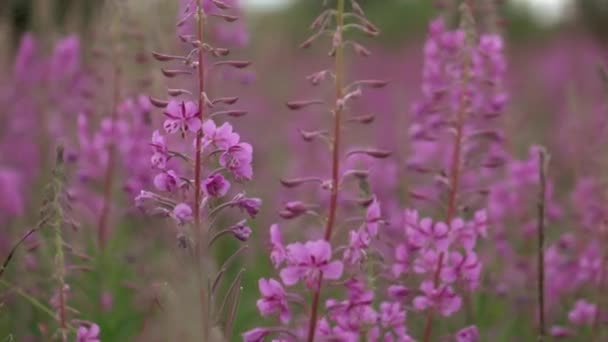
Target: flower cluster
{"points": [[196, 155]]}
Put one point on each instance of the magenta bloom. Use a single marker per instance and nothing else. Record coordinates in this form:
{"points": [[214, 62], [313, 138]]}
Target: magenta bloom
{"points": [[221, 137], [372, 218], [182, 117], [468, 334], [442, 298], [237, 159], [90, 334], [216, 185], [256, 335], [273, 299], [309, 260], [166, 181], [249, 204], [278, 252], [241, 231], [424, 233], [583, 313], [161, 153], [182, 213]]}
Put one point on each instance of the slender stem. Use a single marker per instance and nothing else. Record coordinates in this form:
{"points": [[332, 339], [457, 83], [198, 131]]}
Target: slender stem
{"points": [[541, 244], [335, 172], [455, 171], [60, 261], [201, 243], [595, 333], [35, 302], [102, 230]]}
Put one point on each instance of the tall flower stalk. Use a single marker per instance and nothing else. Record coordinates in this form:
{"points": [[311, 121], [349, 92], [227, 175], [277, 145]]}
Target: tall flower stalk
{"points": [[540, 248], [313, 261], [468, 27], [335, 151], [193, 174]]}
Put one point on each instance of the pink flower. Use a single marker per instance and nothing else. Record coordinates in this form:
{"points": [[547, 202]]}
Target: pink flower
{"points": [[443, 298], [273, 299], [373, 218], [221, 137], [309, 260], [249, 204], [161, 153], [424, 233], [401, 260], [256, 335], [583, 313], [237, 159], [397, 292], [90, 334], [216, 185], [278, 252], [466, 267], [559, 331], [166, 181], [182, 213], [182, 117], [468, 334], [241, 231], [391, 315], [355, 251]]}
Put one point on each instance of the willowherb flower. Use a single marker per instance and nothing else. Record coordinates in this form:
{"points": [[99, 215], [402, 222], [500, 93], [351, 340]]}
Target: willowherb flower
{"points": [[443, 299], [340, 198], [88, 333], [200, 159], [583, 313], [468, 334], [274, 299], [310, 261]]}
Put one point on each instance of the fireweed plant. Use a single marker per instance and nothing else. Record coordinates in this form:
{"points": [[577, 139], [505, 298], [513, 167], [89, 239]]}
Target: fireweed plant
{"points": [[197, 158], [320, 264], [456, 141]]}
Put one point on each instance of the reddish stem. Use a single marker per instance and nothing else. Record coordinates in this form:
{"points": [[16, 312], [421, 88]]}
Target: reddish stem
{"points": [[335, 172], [198, 227], [455, 171], [108, 185]]}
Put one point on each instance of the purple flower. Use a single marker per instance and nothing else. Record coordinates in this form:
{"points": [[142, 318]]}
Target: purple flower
{"points": [[249, 204], [397, 292], [560, 331], [161, 153], [391, 315], [273, 299], [182, 213], [442, 298], [424, 233], [466, 267], [221, 137], [355, 251], [373, 217], [182, 117], [256, 335], [402, 258], [309, 260], [468, 334], [166, 181], [278, 252], [241, 231], [583, 313], [216, 185], [237, 159], [88, 334]]}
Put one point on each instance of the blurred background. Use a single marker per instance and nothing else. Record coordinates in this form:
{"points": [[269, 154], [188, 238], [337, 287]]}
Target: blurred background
{"points": [[554, 50]]}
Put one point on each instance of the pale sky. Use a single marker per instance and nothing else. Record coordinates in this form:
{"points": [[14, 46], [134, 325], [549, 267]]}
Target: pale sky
{"points": [[547, 10]]}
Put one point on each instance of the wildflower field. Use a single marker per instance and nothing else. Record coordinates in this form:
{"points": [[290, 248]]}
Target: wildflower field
{"points": [[331, 170]]}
